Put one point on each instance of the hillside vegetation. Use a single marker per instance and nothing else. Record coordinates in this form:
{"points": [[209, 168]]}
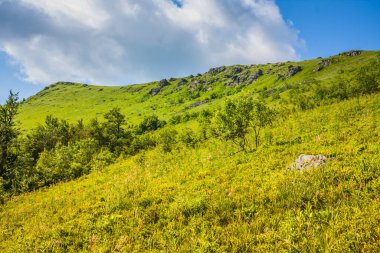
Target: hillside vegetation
{"points": [[187, 169], [178, 96]]}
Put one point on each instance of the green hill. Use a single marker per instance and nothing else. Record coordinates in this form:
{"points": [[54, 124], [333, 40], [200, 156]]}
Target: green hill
{"points": [[202, 193], [74, 101]]}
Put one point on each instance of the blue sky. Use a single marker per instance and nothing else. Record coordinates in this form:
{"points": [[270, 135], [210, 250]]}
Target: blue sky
{"points": [[102, 42]]}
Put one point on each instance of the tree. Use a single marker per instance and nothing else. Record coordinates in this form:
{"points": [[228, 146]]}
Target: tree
{"points": [[260, 117], [47, 136], [8, 130], [114, 122], [234, 121], [114, 134]]}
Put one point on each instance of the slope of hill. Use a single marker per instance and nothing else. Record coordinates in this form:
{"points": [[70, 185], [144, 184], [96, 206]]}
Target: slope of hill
{"points": [[205, 199], [207, 195], [183, 95]]}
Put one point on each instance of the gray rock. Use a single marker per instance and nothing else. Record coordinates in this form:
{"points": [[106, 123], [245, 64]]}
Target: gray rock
{"points": [[163, 83], [154, 91], [352, 53], [198, 103], [292, 70], [182, 82], [195, 84], [236, 70], [255, 75], [215, 71], [306, 162], [236, 80], [323, 64]]}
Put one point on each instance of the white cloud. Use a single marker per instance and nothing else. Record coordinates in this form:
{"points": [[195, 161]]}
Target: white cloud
{"points": [[124, 41]]}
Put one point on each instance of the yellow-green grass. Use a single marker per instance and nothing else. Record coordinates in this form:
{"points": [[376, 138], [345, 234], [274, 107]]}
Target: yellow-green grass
{"points": [[212, 199]]}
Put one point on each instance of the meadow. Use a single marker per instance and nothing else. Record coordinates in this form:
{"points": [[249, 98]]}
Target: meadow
{"points": [[209, 195]]}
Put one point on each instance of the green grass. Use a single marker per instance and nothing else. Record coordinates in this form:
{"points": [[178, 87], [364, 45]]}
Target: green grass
{"points": [[77, 101], [212, 199]]}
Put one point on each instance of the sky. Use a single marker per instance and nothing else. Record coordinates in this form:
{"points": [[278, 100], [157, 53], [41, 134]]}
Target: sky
{"points": [[119, 42]]}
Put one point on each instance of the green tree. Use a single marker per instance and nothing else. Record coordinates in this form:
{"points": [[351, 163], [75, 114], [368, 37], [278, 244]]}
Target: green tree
{"points": [[260, 117], [114, 122], [232, 122], [115, 135], [235, 120], [8, 131], [47, 136]]}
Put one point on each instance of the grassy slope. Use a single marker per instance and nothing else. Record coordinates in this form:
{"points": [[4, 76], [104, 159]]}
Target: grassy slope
{"points": [[207, 200], [73, 102]]}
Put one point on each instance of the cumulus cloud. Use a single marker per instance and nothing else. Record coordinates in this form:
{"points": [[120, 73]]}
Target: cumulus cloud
{"points": [[127, 41]]}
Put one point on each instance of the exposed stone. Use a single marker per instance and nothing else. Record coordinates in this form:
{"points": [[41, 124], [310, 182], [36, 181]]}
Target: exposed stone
{"points": [[182, 82], [154, 91], [255, 75], [198, 103], [323, 64], [215, 71], [306, 162], [237, 80], [195, 84], [269, 70], [163, 83], [209, 82], [292, 70], [236, 70], [352, 53]]}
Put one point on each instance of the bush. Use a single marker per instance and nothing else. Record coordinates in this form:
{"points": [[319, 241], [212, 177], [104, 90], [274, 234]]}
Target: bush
{"points": [[188, 137], [167, 138], [150, 123]]}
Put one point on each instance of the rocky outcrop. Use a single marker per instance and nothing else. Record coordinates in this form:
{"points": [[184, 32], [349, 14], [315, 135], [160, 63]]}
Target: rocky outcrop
{"points": [[163, 83], [198, 103], [322, 64], [292, 70], [255, 75], [154, 91], [236, 70], [182, 82], [306, 162], [197, 85], [235, 81], [352, 53], [215, 71]]}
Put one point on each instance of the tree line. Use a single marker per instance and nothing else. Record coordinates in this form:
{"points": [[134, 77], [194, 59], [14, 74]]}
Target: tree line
{"points": [[59, 151]]}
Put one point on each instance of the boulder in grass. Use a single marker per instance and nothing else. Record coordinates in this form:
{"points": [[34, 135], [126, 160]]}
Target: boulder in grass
{"points": [[306, 162]]}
